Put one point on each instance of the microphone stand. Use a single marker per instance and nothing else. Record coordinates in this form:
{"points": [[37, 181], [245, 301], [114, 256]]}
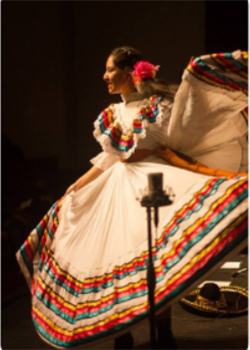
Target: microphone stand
{"points": [[155, 198]]}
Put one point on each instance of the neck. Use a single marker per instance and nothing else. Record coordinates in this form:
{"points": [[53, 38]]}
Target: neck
{"points": [[127, 89], [127, 92], [131, 97]]}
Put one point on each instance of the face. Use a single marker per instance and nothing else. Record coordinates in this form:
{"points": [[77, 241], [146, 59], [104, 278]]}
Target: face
{"points": [[117, 80]]}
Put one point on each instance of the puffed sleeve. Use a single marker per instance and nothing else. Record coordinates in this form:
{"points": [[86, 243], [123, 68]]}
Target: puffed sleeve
{"points": [[104, 160], [119, 139]]}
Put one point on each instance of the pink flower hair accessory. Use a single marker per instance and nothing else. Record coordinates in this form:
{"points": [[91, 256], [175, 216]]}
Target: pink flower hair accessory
{"points": [[143, 70]]}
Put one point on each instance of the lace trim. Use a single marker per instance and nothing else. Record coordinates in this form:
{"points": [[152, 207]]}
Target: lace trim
{"points": [[104, 160], [109, 133]]}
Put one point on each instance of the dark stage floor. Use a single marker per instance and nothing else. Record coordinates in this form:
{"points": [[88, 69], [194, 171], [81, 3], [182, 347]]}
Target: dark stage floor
{"points": [[191, 331]]}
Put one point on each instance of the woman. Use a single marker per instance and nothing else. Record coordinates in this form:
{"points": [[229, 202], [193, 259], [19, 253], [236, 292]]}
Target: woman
{"points": [[86, 261], [119, 81]]}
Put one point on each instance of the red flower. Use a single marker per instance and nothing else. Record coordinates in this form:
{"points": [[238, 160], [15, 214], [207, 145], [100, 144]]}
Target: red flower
{"points": [[143, 70]]}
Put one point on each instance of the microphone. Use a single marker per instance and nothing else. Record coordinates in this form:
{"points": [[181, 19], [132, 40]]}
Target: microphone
{"points": [[154, 184], [156, 197]]}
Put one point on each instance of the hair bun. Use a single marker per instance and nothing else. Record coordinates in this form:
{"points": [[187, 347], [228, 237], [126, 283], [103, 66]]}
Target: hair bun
{"points": [[126, 57]]}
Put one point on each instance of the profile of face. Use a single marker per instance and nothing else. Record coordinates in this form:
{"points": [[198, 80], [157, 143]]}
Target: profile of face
{"points": [[118, 81]]}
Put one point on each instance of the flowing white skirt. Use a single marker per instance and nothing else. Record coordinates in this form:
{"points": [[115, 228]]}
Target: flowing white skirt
{"points": [[86, 262]]}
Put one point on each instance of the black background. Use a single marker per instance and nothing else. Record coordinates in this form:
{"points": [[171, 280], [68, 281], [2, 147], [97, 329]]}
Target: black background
{"points": [[54, 54], [53, 60]]}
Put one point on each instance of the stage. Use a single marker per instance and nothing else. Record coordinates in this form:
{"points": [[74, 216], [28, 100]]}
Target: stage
{"points": [[191, 331]]}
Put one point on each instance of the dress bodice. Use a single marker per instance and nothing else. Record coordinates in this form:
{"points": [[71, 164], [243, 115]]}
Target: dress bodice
{"points": [[156, 133], [136, 122]]}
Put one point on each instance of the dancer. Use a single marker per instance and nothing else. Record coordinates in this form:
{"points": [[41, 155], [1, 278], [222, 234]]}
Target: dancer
{"points": [[86, 261]]}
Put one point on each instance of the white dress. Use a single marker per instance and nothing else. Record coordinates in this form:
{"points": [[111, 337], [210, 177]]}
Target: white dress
{"points": [[86, 261]]}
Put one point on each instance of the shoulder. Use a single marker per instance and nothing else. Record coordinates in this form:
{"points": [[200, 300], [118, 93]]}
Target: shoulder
{"points": [[108, 113], [167, 104], [146, 108], [158, 100]]}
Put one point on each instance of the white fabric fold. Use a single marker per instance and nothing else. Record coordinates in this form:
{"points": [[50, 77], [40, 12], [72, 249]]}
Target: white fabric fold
{"points": [[104, 160], [206, 121]]}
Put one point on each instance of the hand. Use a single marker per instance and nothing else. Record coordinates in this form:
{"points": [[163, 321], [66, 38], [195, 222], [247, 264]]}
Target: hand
{"points": [[91, 175], [70, 189]]}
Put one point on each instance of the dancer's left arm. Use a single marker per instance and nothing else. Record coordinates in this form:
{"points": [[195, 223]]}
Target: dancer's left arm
{"points": [[89, 176]]}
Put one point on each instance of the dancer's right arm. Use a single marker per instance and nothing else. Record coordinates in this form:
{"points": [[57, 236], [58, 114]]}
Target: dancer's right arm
{"points": [[91, 175]]}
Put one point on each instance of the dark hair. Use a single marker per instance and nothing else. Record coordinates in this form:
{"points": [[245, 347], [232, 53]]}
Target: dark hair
{"points": [[125, 57]]}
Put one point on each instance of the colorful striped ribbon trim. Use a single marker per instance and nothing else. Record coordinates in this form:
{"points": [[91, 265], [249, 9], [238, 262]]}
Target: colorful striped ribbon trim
{"points": [[112, 129], [81, 335], [71, 313], [202, 71], [229, 64]]}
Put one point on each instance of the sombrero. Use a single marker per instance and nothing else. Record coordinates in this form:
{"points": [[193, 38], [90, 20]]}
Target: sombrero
{"points": [[212, 300]]}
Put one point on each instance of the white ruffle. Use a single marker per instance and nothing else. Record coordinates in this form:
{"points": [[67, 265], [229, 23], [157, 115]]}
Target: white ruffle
{"points": [[106, 142], [165, 108], [104, 160]]}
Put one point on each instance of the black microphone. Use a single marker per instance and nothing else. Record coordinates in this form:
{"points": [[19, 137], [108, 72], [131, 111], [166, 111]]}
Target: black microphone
{"points": [[155, 184], [156, 197]]}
